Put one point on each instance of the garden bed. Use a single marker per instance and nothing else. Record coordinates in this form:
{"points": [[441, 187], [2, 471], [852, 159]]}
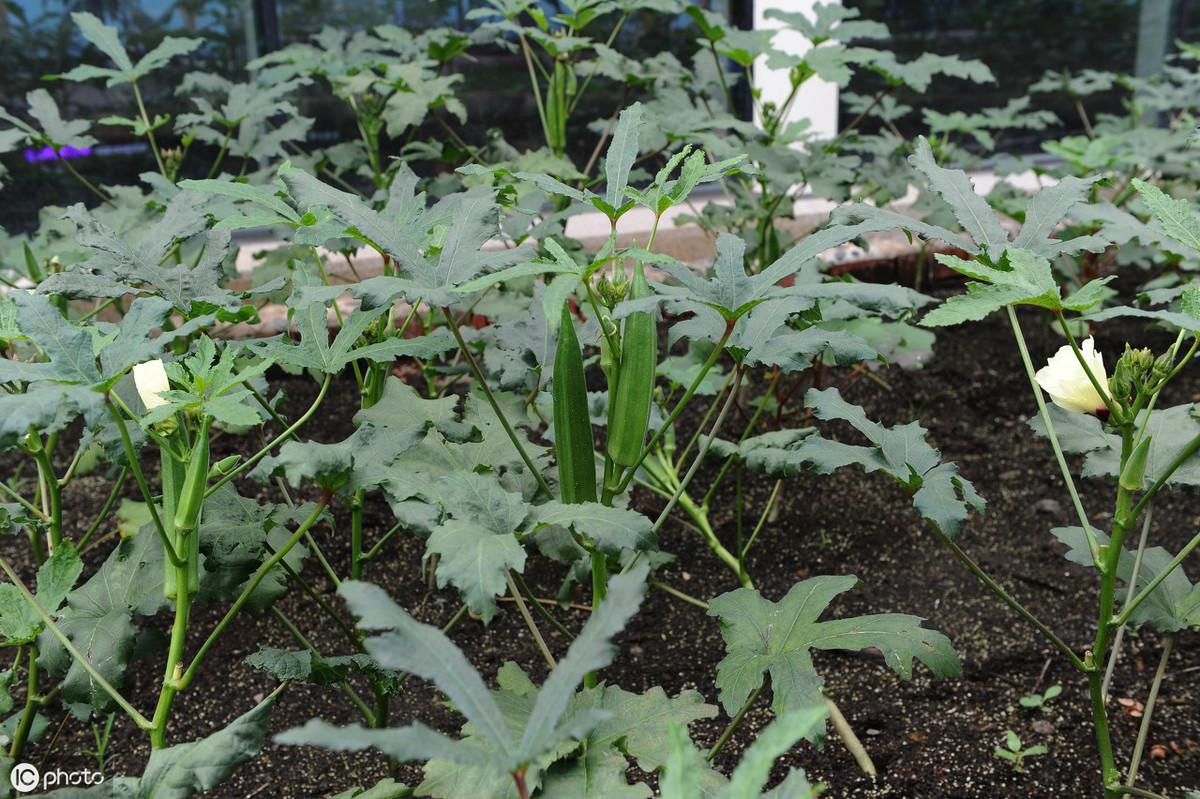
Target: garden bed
{"points": [[929, 738]]}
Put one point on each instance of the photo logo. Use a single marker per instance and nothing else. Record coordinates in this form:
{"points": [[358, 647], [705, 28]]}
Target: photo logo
{"points": [[25, 777]]}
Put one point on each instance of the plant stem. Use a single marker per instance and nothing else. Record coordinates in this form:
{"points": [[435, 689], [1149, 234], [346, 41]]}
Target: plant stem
{"points": [[846, 733], [136, 467], [29, 713], [734, 723], [137, 95], [491, 398], [345, 686], [1108, 768], [1008, 599], [141, 721], [253, 583], [1153, 584], [356, 533], [53, 492], [1119, 638], [712, 433], [104, 511], [540, 607], [675, 592], [262, 453], [1144, 729], [533, 628], [1054, 443], [175, 653]]}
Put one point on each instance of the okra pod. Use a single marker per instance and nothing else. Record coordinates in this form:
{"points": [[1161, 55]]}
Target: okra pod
{"points": [[572, 422], [629, 405]]}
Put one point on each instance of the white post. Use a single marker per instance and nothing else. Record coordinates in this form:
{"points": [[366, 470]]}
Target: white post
{"points": [[817, 99]]}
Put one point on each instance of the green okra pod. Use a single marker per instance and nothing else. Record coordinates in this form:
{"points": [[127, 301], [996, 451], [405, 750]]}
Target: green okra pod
{"points": [[629, 404], [572, 422]]}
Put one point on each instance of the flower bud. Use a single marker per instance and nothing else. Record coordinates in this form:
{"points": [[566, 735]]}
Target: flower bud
{"points": [[613, 290]]}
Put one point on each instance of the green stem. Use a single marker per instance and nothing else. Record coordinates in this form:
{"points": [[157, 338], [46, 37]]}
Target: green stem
{"points": [[345, 686], [1119, 638], [356, 534], [680, 595], [141, 721], [137, 95], [286, 434], [135, 466], [20, 500], [529, 622], [174, 666], [1093, 546], [104, 511], [1008, 599], [1144, 594], [53, 491], [1108, 768], [491, 398], [746, 433], [734, 723], [540, 607], [259, 575], [29, 713]]}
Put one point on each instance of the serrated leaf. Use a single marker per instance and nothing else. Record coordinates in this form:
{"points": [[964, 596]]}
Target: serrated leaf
{"points": [[622, 151], [970, 209], [1178, 219], [614, 530], [940, 494], [179, 771], [775, 638]]}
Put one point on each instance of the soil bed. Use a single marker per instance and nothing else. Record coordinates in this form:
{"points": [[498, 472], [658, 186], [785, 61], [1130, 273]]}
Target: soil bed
{"points": [[930, 738]]}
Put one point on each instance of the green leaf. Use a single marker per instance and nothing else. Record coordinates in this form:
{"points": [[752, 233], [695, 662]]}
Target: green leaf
{"points": [[178, 772], [1047, 209], [19, 622], [1177, 218], [426, 652], [775, 638], [591, 650], [754, 769], [303, 665], [940, 494], [613, 530], [622, 151], [108, 41], [475, 560], [970, 209], [1023, 279]]}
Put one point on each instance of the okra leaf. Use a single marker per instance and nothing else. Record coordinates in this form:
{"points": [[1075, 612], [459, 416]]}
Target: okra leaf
{"points": [[98, 620], [52, 131], [108, 41], [1173, 606], [1170, 430], [387, 788], [182, 770], [414, 742], [970, 209], [599, 773], [1177, 218], [422, 650], [775, 638], [19, 622], [1046, 211], [315, 350], [940, 494], [591, 651], [618, 161], [476, 561], [614, 530], [778, 453], [46, 407], [303, 665]]}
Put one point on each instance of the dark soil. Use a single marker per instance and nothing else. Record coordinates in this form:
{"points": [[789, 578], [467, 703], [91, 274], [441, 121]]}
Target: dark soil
{"points": [[930, 738]]}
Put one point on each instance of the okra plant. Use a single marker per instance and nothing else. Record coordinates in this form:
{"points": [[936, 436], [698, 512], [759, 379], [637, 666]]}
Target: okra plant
{"points": [[526, 410]]}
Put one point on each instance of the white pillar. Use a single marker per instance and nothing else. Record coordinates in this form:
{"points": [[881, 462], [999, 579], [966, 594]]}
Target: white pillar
{"points": [[817, 99]]}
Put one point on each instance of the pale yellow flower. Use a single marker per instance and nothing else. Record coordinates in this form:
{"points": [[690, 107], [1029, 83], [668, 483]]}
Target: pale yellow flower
{"points": [[1064, 379], [151, 381]]}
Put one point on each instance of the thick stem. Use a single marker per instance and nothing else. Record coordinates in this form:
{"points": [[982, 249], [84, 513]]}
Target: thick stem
{"points": [[356, 534], [1135, 761], [1119, 638], [29, 713], [1108, 768], [53, 493], [174, 667]]}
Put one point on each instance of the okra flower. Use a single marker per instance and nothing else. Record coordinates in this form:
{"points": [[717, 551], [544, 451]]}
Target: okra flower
{"points": [[1064, 379], [150, 378]]}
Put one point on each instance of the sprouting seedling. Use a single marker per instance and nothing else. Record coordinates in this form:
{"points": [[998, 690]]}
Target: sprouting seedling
{"points": [[1036, 701], [1015, 754]]}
